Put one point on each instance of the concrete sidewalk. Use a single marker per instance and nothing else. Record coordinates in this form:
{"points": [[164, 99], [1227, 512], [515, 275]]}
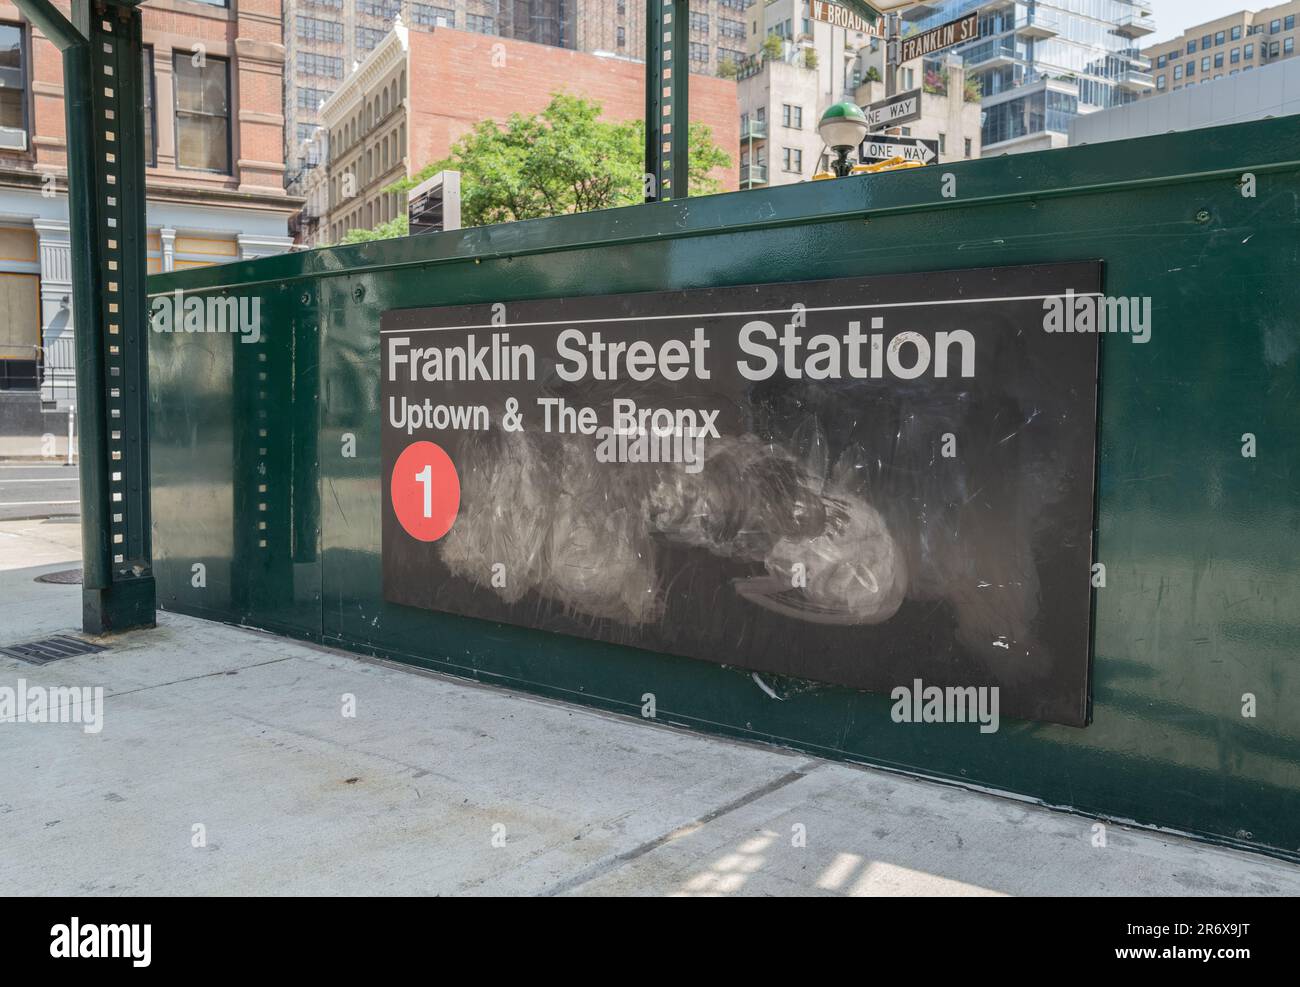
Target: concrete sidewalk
{"points": [[437, 786]]}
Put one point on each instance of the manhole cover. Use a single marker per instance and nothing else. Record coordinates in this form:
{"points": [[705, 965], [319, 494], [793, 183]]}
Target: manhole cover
{"points": [[63, 576], [51, 649]]}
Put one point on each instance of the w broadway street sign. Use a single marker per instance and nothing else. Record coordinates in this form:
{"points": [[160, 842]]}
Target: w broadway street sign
{"points": [[944, 36], [838, 15], [903, 108], [907, 148]]}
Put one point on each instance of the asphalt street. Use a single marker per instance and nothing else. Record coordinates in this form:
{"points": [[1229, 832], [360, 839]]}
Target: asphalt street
{"points": [[36, 490]]}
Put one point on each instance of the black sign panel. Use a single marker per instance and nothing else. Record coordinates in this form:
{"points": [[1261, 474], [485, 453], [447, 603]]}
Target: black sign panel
{"points": [[864, 481], [917, 149], [944, 36]]}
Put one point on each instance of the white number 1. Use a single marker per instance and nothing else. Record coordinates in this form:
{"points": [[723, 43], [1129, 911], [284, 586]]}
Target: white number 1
{"points": [[425, 476]]}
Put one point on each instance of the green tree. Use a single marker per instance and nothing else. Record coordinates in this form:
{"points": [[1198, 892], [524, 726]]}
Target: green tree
{"points": [[384, 231], [727, 68], [562, 160], [773, 47]]}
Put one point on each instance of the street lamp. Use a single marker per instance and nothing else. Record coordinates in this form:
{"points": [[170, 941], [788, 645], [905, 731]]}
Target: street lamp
{"points": [[843, 127]]}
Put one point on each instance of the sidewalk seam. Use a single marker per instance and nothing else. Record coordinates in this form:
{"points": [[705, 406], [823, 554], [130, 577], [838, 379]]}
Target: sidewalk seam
{"points": [[618, 860]]}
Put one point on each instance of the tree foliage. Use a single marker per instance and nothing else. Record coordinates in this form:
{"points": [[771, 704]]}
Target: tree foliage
{"points": [[562, 160], [384, 231]]}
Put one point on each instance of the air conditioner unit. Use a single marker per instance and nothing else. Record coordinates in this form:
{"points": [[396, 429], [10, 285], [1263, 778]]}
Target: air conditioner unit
{"points": [[13, 139]]}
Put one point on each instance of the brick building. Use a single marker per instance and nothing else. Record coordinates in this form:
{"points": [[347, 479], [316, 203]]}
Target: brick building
{"points": [[326, 39], [417, 93], [215, 178], [1226, 46]]}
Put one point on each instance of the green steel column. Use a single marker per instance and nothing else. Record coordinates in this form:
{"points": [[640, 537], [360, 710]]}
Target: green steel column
{"points": [[667, 116], [103, 95]]}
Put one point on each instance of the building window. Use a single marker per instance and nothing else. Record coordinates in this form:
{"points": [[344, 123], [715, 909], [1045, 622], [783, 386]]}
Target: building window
{"points": [[310, 99], [1205, 42], [202, 112], [480, 25], [968, 147], [315, 29], [622, 37], [310, 63], [728, 28], [429, 16], [792, 160], [1178, 72], [1288, 23], [369, 37], [1220, 37], [150, 113], [698, 52], [1235, 33], [13, 89], [699, 22], [1160, 82], [1191, 47], [1205, 64], [1250, 51], [384, 9], [1234, 56], [1162, 61], [1288, 46], [1218, 59], [792, 116], [1274, 27], [943, 143]]}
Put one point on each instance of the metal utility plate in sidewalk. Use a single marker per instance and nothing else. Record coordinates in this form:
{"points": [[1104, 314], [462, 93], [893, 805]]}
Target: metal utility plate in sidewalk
{"points": [[50, 649]]}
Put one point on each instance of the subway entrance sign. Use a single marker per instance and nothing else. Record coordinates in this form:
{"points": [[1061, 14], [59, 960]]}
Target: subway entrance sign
{"points": [[860, 481]]}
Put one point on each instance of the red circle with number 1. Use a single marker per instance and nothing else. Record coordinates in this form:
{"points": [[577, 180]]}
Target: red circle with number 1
{"points": [[425, 490]]}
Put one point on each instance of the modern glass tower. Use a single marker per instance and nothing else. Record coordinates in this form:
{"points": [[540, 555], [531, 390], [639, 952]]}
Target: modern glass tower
{"points": [[1040, 64]]}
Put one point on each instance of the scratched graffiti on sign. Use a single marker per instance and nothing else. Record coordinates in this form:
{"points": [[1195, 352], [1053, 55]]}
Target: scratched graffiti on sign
{"points": [[854, 481]]}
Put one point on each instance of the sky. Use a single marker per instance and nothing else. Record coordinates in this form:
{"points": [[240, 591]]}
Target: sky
{"points": [[1175, 16]]}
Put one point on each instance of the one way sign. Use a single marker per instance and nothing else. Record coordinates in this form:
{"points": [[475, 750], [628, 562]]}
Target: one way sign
{"points": [[908, 148], [903, 108]]}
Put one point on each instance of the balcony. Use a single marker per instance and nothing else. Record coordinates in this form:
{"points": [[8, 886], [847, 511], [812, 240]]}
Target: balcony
{"points": [[1134, 26], [1133, 81], [995, 54], [753, 174], [1038, 25], [753, 130]]}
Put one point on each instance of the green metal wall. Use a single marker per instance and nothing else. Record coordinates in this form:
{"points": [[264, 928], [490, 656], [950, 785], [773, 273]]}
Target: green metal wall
{"points": [[1202, 596]]}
